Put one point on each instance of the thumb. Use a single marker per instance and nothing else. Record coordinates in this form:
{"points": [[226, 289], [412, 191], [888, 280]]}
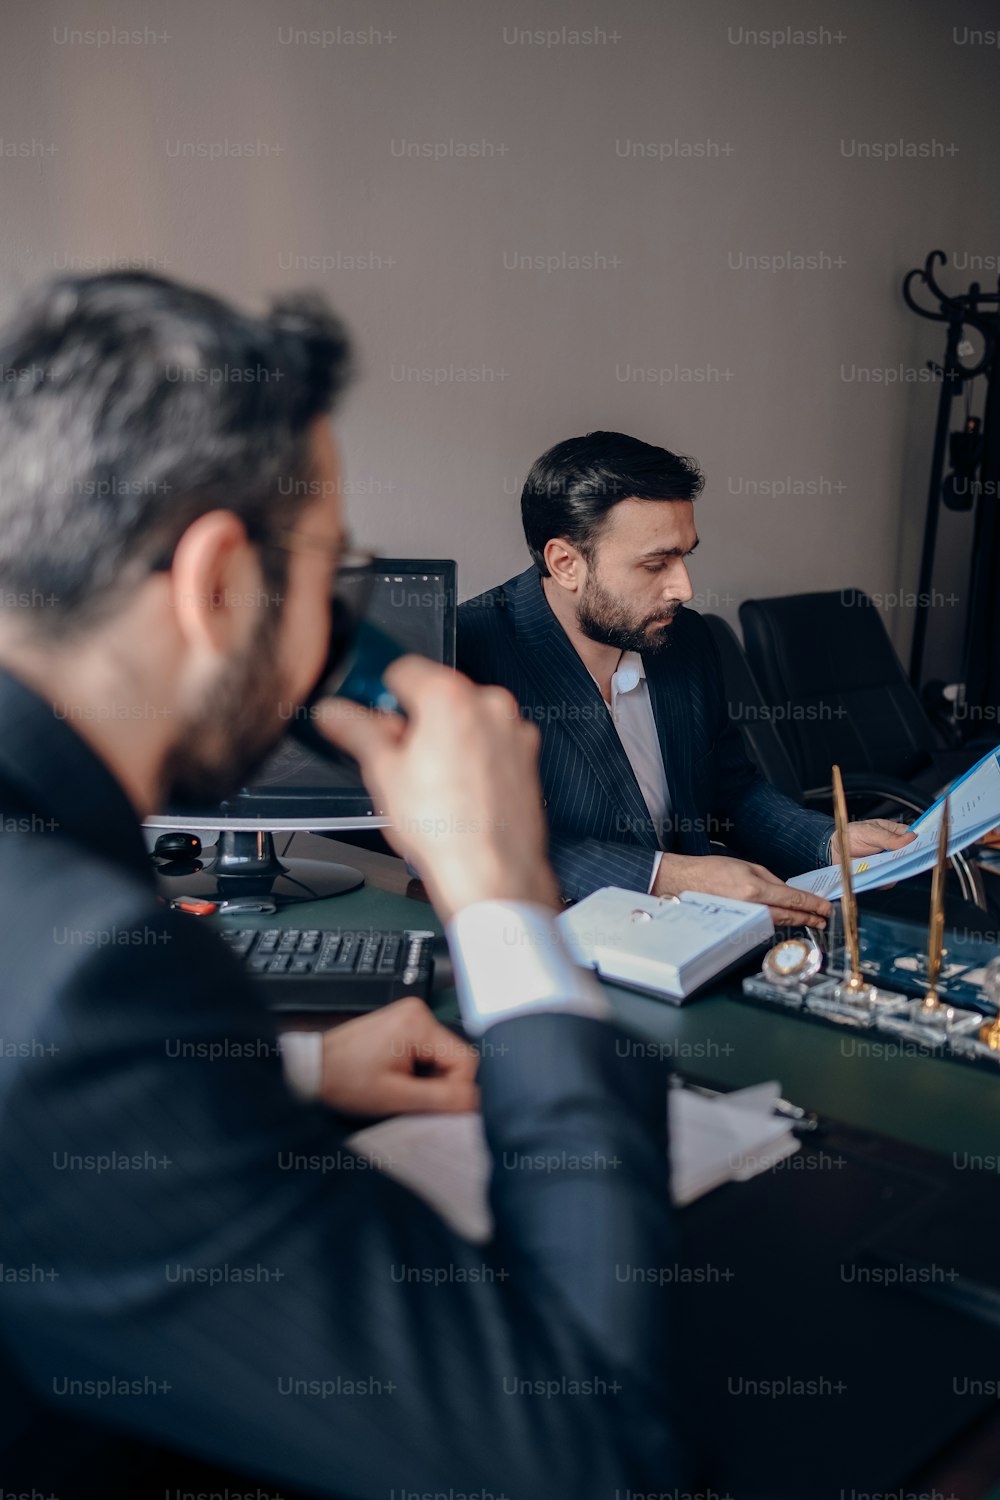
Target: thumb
{"points": [[361, 732], [898, 832], [407, 1093]]}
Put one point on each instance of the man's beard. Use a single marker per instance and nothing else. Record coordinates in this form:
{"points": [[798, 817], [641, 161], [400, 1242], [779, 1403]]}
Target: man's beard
{"points": [[236, 731], [604, 618]]}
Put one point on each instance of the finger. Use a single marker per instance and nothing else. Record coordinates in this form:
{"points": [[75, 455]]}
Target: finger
{"points": [[790, 898], [446, 1055], [893, 830], [361, 732], [426, 1041], [427, 690], [406, 1093], [458, 1058], [878, 834], [414, 679], [784, 917]]}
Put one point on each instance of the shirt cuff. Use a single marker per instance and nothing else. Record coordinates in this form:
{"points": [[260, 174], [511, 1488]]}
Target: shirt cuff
{"points": [[302, 1060], [510, 959], [657, 862]]}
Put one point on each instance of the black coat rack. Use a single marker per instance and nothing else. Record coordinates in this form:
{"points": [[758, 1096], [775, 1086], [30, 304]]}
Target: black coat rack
{"points": [[974, 455]]}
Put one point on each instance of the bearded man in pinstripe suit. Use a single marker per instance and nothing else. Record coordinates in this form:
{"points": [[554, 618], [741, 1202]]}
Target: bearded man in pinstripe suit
{"points": [[642, 767]]}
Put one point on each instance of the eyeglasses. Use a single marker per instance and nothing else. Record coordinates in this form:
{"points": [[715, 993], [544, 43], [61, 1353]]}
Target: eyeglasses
{"points": [[301, 541], [350, 586], [351, 589]]}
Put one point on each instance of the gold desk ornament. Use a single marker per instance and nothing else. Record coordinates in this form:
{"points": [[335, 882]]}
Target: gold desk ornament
{"points": [[981, 1042], [849, 999], [854, 988], [932, 1021], [932, 1003], [791, 974], [988, 1035]]}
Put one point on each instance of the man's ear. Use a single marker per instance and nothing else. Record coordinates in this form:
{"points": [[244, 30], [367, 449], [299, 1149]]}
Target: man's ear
{"points": [[215, 578], [565, 563]]}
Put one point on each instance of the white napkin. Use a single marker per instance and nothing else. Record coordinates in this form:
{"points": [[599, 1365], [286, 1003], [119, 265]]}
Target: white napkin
{"points": [[444, 1158]]}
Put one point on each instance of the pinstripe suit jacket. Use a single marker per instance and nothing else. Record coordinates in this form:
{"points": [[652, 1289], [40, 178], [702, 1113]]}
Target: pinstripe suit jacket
{"points": [[191, 1258], [600, 829]]}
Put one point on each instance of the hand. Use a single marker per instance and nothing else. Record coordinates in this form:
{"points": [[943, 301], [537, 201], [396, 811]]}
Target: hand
{"points": [[369, 1064], [871, 837], [717, 875], [459, 780]]}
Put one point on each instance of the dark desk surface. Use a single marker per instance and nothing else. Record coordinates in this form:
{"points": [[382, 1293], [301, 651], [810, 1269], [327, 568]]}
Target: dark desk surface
{"points": [[872, 1084], [951, 1110]]}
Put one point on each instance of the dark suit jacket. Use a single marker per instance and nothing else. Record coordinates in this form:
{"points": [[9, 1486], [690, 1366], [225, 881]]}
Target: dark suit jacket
{"points": [[600, 829], [192, 1259]]}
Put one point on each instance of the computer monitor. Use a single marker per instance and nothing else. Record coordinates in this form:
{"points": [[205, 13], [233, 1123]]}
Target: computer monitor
{"points": [[414, 601]]}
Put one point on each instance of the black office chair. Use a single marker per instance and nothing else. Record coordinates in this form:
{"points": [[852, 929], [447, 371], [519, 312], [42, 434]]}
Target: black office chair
{"points": [[766, 748], [826, 667]]}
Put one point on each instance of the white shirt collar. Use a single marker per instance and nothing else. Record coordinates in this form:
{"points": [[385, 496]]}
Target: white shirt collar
{"points": [[629, 672]]}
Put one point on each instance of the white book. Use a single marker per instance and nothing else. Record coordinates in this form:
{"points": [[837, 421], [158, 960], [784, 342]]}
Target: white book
{"points": [[664, 946]]}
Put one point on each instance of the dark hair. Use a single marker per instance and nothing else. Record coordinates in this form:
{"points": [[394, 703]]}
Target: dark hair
{"points": [[572, 487], [130, 405]]}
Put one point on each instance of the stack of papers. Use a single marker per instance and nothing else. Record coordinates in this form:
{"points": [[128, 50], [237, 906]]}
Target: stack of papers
{"points": [[659, 945], [444, 1158], [974, 809]]}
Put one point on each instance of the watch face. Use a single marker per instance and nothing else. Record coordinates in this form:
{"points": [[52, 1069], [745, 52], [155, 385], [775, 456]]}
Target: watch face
{"points": [[792, 960]]}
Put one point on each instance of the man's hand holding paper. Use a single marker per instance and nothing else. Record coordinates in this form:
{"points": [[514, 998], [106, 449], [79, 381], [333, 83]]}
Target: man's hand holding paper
{"points": [[974, 802]]}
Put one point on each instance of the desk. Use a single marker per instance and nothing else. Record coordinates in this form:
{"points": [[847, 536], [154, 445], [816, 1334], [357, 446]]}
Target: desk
{"points": [[940, 1106], [927, 1104]]}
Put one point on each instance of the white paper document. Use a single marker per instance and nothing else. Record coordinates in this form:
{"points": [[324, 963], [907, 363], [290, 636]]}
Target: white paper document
{"points": [[444, 1158], [974, 809]]}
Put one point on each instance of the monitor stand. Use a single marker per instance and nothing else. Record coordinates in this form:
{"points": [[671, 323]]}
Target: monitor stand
{"points": [[246, 864]]}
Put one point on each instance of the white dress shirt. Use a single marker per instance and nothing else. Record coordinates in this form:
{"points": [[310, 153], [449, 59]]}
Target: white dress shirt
{"points": [[510, 960], [631, 710]]}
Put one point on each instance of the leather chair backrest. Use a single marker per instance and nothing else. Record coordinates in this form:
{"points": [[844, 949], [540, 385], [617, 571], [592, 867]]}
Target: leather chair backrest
{"points": [[750, 713], [828, 671]]}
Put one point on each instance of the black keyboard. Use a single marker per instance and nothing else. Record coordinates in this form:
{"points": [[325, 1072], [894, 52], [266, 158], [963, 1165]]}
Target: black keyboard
{"points": [[312, 968]]}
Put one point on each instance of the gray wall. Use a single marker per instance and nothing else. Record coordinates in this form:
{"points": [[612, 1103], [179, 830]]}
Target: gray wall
{"points": [[750, 150]]}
